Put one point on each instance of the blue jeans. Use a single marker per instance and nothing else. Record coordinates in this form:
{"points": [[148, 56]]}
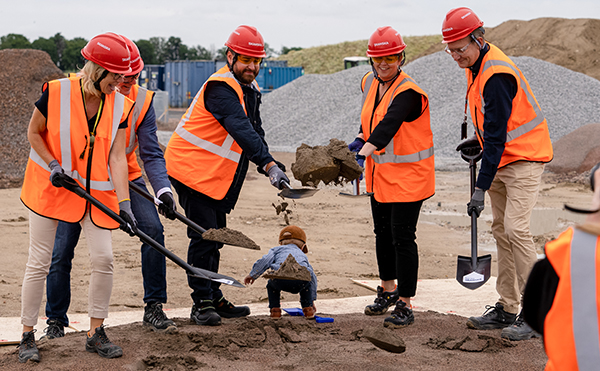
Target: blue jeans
{"points": [[154, 270], [275, 287]]}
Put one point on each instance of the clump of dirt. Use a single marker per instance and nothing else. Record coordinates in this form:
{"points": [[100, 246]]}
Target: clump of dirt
{"points": [[385, 339], [21, 77], [331, 163], [282, 208], [230, 237], [289, 270], [483, 343]]}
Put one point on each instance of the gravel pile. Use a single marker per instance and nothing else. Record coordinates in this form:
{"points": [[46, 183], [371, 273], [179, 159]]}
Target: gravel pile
{"points": [[315, 108]]}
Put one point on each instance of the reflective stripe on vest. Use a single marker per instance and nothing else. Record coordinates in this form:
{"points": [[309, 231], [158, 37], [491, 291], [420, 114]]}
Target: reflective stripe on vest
{"points": [[584, 300], [137, 110], [224, 150], [65, 137], [526, 127], [389, 156]]}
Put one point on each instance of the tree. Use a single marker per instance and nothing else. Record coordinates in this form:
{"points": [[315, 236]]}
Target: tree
{"points": [[221, 53], [202, 53], [285, 49], [72, 59], [146, 51], [48, 46], [14, 41], [173, 49], [270, 52], [159, 45], [61, 44]]}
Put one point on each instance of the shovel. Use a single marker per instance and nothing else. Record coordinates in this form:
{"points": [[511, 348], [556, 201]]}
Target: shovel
{"points": [[356, 190], [472, 272], [249, 244], [72, 186], [294, 193]]}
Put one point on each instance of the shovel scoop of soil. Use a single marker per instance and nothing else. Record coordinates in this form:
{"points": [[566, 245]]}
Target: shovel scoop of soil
{"points": [[384, 339], [331, 163], [230, 237], [289, 270]]}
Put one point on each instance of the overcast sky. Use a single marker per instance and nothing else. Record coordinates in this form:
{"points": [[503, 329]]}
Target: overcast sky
{"points": [[299, 23]]}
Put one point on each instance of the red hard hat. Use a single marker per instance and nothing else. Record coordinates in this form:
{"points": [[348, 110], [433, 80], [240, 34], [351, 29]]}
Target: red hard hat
{"points": [[246, 40], [385, 41], [459, 23], [137, 64], [108, 50]]}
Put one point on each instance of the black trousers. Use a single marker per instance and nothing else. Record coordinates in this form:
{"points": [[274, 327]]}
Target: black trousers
{"points": [[201, 253], [395, 227]]}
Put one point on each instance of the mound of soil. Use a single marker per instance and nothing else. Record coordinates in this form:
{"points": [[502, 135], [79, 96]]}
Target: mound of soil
{"points": [[21, 77], [230, 237], [331, 163], [577, 151], [289, 270]]}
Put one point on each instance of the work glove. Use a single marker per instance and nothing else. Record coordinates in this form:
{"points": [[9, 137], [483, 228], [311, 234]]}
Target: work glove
{"points": [[55, 170], [469, 146], [280, 164], [357, 145], [361, 162], [130, 224], [477, 203], [277, 176], [167, 206]]}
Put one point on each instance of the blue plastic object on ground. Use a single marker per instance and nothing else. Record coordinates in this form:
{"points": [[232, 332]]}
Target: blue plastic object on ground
{"points": [[320, 319], [293, 311]]}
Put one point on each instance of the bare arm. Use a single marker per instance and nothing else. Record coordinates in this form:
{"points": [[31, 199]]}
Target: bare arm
{"points": [[118, 166], [37, 125]]}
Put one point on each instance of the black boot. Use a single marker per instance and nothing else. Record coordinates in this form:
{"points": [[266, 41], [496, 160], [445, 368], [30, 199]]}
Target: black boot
{"points": [[494, 317], [27, 348], [155, 318], [204, 314], [226, 309], [383, 301]]}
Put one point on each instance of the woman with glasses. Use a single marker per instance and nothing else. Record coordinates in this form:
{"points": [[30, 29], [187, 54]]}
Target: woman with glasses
{"points": [[78, 129], [395, 146]]}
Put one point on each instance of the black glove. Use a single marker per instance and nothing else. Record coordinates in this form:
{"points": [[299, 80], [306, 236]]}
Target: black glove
{"points": [[167, 206], [357, 145], [55, 169], [126, 214], [280, 164], [477, 203], [276, 176], [361, 162], [469, 146]]}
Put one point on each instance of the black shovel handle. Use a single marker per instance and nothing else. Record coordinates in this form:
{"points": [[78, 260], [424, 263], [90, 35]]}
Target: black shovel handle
{"points": [[139, 190], [70, 184]]}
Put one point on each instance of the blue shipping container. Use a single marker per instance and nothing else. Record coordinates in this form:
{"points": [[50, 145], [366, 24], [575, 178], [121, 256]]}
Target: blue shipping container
{"points": [[152, 77], [183, 79], [271, 78]]}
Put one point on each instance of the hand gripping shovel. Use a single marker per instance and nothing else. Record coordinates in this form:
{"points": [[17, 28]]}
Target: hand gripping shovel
{"points": [[239, 240], [72, 186], [289, 192], [472, 272]]}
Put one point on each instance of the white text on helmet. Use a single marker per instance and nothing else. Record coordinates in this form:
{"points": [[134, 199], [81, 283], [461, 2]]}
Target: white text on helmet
{"points": [[255, 44], [103, 46], [466, 15], [381, 43], [447, 29]]}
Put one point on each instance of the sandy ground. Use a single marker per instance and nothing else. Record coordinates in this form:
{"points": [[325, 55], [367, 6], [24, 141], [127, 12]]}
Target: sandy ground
{"points": [[341, 243]]}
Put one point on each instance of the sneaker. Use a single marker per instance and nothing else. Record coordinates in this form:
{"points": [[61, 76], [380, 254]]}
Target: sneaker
{"points": [[204, 314], [275, 313], [494, 317], [519, 330], [309, 312], [100, 344], [27, 348], [157, 320], [54, 330], [226, 309], [402, 316], [383, 301]]}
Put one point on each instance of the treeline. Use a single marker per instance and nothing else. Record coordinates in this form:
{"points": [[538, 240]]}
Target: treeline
{"points": [[156, 50]]}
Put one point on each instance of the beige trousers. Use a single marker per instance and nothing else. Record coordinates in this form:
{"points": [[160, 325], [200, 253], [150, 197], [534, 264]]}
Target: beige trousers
{"points": [[41, 243], [513, 194]]}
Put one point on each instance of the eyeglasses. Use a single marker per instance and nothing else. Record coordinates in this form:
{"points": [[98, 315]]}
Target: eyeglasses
{"points": [[247, 60], [388, 59], [459, 51], [128, 79], [118, 76]]}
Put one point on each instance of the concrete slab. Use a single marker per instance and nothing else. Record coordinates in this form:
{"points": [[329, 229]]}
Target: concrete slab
{"points": [[441, 295]]}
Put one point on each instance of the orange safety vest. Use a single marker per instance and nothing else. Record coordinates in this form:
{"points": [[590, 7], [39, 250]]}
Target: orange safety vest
{"points": [[571, 331], [201, 153], [66, 137], [142, 98], [527, 136], [403, 171]]}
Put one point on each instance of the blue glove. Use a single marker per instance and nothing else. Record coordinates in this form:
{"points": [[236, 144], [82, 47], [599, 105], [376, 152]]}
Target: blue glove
{"points": [[277, 176], [126, 214], [167, 207], [361, 162], [357, 145], [55, 169], [477, 203]]}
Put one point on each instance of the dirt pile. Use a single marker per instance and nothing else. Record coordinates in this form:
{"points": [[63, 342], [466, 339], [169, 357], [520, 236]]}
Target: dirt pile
{"points": [[331, 163], [230, 237], [289, 270], [21, 77]]}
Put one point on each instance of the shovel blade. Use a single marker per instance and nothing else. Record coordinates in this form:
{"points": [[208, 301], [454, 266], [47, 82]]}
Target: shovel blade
{"points": [[473, 277], [297, 193], [216, 277]]}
